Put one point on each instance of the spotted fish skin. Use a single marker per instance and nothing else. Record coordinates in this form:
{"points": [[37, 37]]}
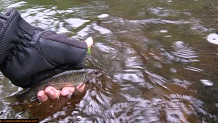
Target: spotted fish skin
{"points": [[69, 78]]}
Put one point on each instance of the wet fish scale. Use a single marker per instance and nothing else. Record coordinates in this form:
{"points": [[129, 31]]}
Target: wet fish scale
{"points": [[64, 79]]}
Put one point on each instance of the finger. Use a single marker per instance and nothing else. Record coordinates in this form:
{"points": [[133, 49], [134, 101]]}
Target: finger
{"points": [[67, 91], [52, 93], [41, 95], [80, 87]]}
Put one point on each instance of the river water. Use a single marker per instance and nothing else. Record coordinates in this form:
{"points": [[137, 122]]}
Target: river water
{"points": [[158, 61]]}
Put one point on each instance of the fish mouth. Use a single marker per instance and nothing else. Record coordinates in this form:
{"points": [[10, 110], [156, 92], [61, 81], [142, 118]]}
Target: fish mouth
{"points": [[92, 74]]}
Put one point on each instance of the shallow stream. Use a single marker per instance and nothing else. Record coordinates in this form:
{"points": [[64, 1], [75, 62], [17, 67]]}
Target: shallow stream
{"points": [[159, 63]]}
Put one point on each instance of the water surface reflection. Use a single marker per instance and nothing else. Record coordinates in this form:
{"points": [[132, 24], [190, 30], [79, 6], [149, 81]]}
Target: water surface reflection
{"points": [[157, 63]]}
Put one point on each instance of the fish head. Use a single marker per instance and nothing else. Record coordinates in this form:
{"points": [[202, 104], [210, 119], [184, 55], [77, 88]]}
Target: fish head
{"points": [[92, 74]]}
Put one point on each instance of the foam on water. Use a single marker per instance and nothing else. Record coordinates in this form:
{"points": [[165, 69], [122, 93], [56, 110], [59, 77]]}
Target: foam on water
{"points": [[206, 82], [103, 16], [212, 38]]}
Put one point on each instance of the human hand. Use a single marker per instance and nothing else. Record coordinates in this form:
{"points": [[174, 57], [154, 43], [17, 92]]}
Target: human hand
{"points": [[53, 93], [28, 54]]}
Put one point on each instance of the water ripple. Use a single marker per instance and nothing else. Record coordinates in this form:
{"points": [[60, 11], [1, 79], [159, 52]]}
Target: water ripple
{"points": [[76, 22], [104, 48], [183, 53], [182, 83], [156, 78], [17, 4], [163, 12], [193, 69], [100, 29], [130, 75], [152, 78], [160, 21]]}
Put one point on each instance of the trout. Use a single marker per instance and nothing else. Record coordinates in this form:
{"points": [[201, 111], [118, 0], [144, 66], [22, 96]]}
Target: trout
{"points": [[69, 78]]}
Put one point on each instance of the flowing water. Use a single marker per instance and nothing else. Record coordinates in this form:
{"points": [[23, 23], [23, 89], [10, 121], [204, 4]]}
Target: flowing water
{"points": [[159, 63]]}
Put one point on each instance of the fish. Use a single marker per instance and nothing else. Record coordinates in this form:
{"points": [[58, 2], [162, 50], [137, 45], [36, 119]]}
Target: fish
{"points": [[68, 78]]}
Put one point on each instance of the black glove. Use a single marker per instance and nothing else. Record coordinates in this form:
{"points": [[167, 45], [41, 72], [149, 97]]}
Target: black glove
{"points": [[28, 53]]}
